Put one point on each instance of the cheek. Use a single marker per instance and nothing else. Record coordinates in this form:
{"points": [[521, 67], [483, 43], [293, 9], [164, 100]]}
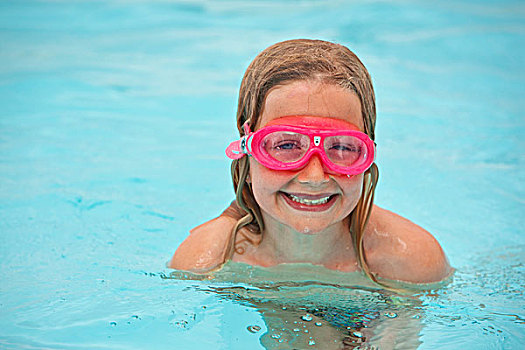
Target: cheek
{"points": [[266, 182], [261, 180], [352, 190]]}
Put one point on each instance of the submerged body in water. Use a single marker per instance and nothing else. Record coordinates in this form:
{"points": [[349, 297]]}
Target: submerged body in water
{"points": [[309, 306]]}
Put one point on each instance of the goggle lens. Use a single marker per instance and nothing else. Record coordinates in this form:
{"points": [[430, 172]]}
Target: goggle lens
{"points": [[286, 147], [344, 150]]}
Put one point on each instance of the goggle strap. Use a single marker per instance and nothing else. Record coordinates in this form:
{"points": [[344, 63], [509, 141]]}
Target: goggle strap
{"points": [[234, 150], [237, 149], [246, 128]]}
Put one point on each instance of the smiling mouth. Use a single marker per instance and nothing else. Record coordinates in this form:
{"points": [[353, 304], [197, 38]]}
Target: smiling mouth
{"points": [[308, 202]]}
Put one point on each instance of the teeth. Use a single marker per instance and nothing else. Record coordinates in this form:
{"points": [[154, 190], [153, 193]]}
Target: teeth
{"points": [[309, 201]]}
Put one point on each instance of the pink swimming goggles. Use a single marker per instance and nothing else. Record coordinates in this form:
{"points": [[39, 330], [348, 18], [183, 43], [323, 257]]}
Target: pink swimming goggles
{"points": [[281, 146]]}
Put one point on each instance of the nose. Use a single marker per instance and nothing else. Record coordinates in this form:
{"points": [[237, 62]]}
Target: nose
{"points": [[313, 172]]}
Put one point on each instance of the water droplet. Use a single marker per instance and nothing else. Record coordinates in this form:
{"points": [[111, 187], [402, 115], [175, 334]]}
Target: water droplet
{"points": [[307, 317], [296, 329], [113, 324], [311, 342], [357, 334], [306, 330], [180, 324], [276, 336], [415, 316], [318, 324], [253, 329], [391, 314], [284, 308], [135, 317]]}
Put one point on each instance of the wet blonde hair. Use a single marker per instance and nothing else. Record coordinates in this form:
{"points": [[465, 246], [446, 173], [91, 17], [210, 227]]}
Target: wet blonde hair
{"points": [[280, 64]]}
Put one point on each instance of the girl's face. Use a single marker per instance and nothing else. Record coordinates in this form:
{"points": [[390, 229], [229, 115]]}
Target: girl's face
{"points": [[297, 198]]}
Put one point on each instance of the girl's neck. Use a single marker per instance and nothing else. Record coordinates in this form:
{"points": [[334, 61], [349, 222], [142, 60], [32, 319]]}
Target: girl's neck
{"points": [[331, 247]]}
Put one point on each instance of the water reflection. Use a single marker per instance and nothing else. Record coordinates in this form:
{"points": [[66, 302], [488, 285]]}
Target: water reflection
{"points": [[330, 317], [318, 315]]}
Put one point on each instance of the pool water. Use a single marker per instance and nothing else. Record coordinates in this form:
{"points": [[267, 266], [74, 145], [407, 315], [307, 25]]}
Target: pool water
{"points": [[114, 120]]}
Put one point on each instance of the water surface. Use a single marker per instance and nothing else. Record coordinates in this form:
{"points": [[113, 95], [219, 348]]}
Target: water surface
{"points": [[113, 125]]}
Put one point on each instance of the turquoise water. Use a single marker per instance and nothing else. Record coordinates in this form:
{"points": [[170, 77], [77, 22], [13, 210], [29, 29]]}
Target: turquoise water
{"points": [[114, 120]]}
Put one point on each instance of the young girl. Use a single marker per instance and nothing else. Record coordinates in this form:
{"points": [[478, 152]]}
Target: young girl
{"points": [[304, 176]]}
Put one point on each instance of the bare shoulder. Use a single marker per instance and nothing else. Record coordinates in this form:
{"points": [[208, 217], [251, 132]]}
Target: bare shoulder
{"points": [[398, 249], [204, 248]]}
